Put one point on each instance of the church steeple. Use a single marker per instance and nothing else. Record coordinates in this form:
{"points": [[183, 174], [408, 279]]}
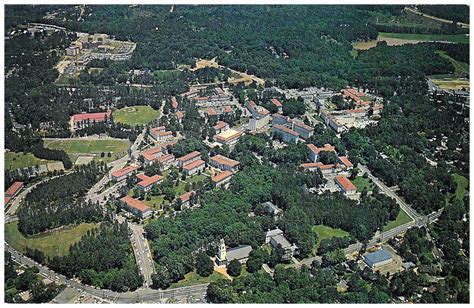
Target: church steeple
{"points": [[221, 253]]}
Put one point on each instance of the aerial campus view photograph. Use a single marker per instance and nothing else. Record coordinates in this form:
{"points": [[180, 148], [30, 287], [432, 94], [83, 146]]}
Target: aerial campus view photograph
{"points": [[246, 154]]}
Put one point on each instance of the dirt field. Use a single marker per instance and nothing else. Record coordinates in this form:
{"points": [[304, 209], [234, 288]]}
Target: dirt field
{"points": [[83, 160], [57, 166], [452, 83], [390, 42]]}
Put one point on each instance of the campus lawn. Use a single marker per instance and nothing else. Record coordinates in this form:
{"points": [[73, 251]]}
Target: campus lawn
{"points": [[401, 219], [55, 243], [461, 187], [15, 160], [77, 147], [135, 115], [361, 183], [460, 68], [325, 232], [453, 38], [193, 278]]}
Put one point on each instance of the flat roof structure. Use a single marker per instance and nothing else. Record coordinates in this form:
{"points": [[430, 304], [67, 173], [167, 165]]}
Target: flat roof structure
{"points": [[377, 257]]}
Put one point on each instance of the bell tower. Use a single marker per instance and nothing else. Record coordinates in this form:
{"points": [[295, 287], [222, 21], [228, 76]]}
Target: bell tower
{"points": [[221, 253]]}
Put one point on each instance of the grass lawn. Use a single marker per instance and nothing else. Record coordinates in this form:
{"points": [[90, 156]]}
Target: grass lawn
{"points": [[454, 38], [56, 243], [76, 147], [325, 232], [461, 187], [401, 219], [361, 183], [192, 279], [135, 115], [461, 68], [15, 160]]}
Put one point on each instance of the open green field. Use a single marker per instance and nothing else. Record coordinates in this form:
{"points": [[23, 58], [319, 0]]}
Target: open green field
{"points": [[15, 160], [192, 279], [55, 243], [461, 187], [361, 183], [135, 115], [157, 202], [401, 219], [325, 232], [453, 38], [461, 68], [76, 147]]}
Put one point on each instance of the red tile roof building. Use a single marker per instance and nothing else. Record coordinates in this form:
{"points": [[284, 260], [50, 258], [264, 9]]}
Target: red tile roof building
{"points": [[222, 178], [314, 151], [220, 127], [84, 119], [194, 167], [346, 185], [345, 161], [151, 156], [148, 181], [211, 111], [304, 130], [179, 115], [160, 134], [189, 158], [186, 198], [288, 135], [166, 161], [276, 102], [122, 174], [224, 163], [135, 206], [174, 102], [12, 191], [325, 169]]}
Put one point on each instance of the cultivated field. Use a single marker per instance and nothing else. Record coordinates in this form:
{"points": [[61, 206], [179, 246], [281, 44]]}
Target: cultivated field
{"points": [[136, 115], [54, 243], [83, 147]]}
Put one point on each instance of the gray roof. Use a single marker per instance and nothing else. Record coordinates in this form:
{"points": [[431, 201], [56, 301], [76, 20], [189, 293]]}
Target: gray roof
{"points": [[376, 257], [408, 265], [280, 239], [238, 253], [274, 232], [271, 207]]}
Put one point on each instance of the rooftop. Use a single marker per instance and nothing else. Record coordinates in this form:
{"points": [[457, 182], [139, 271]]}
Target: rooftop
{"points": [[345, 161], [302, 125], [285, 129], [97, 116], [377, 256], [274, 232], [189, 156], [186, 196], [222, 160], [229, 134], [124, 171], [220, 125], [276, 102], [136, 204], [238, 253], [194, 164], [221, 176], [327, 147], [14, 188], [150, 180], [345, 182]]}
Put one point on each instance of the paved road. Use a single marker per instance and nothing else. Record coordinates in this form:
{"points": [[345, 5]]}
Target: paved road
{"points": [[416, 11], [142, 253], [140, 295], [409, 210]]}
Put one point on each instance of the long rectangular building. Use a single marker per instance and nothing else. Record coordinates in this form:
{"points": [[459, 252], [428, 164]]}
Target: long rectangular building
{"points": [[136, 207]]}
